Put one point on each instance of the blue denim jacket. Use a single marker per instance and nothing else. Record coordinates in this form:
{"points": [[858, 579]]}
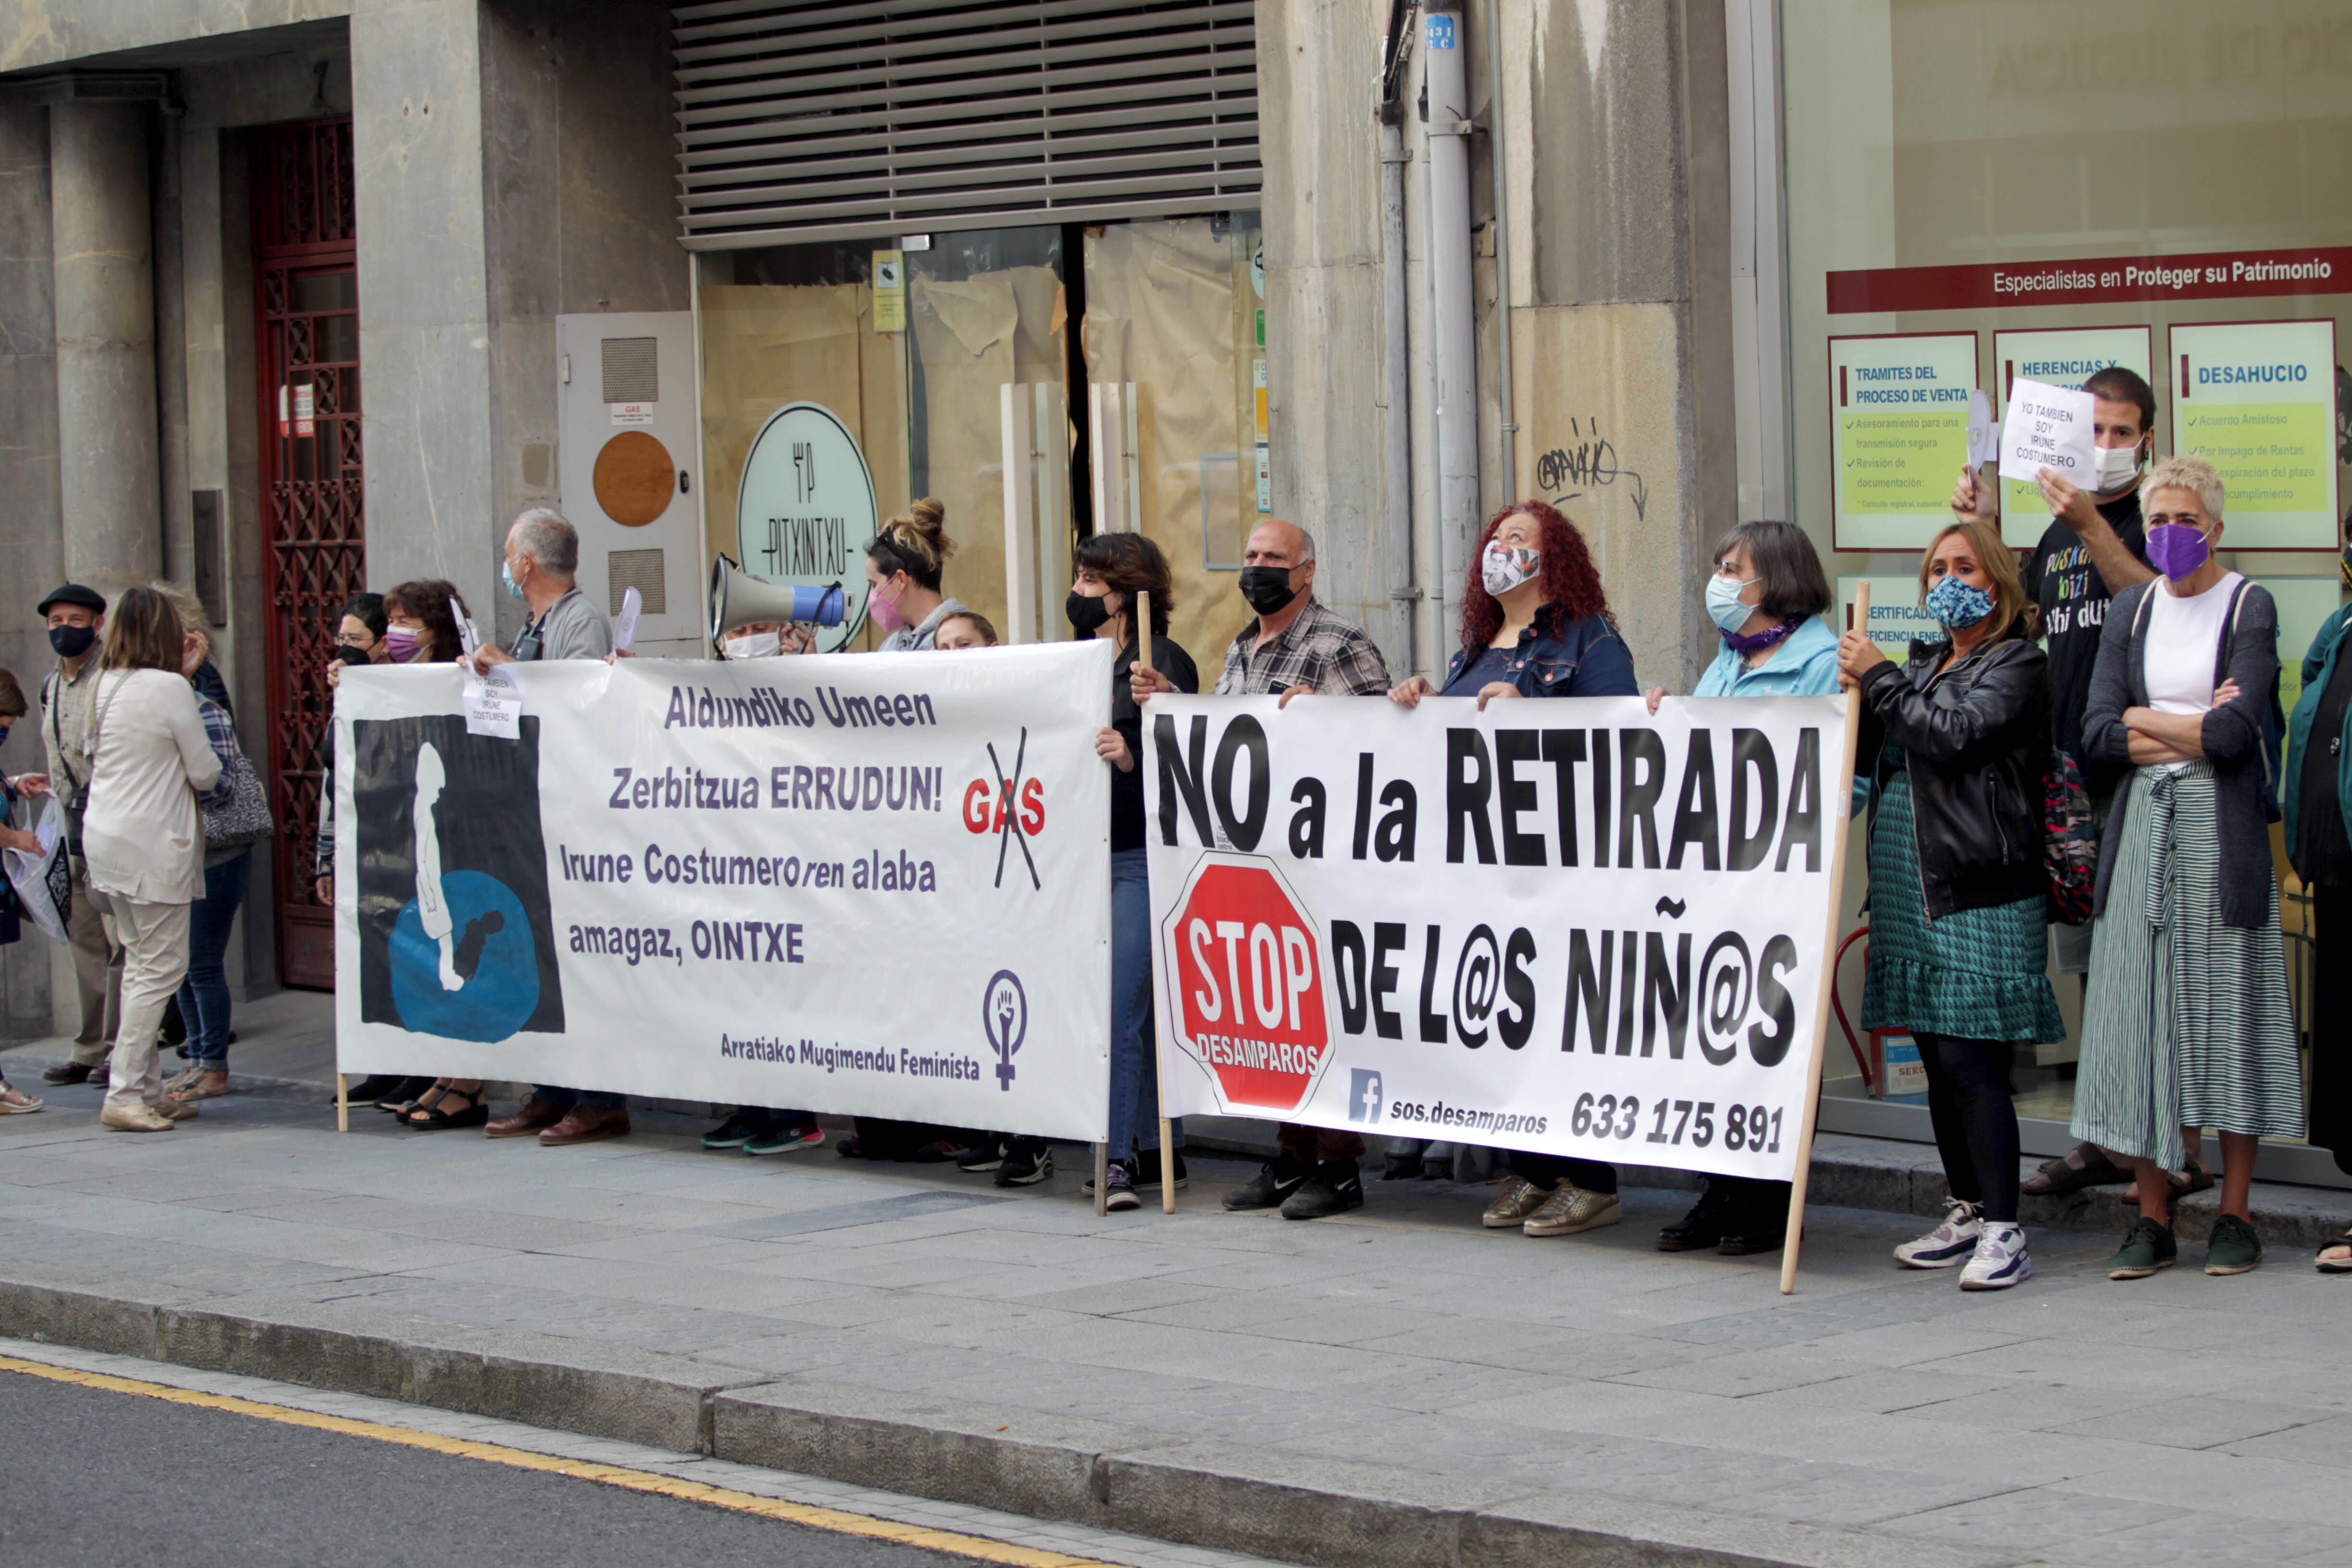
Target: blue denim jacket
{"points": [[1584, 658]]}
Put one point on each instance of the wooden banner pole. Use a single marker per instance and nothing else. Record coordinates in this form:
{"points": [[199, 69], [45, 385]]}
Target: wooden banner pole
{"points": [[1143, 649], [342, 1103], [1843, 803]]}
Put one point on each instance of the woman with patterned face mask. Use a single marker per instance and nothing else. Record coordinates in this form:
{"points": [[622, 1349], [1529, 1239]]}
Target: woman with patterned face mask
{"points": [[1958, 739]]}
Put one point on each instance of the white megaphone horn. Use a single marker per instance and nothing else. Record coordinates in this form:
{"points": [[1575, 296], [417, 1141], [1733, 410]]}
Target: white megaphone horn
{"points": [[740, 599]]}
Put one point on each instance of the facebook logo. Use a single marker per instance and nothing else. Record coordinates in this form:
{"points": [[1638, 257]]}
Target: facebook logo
{"points": [[1364, 1095]]}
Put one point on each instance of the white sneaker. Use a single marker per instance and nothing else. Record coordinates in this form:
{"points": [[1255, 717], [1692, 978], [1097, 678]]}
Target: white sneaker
{"points": [[2000, 1260], [1949, 1244]]}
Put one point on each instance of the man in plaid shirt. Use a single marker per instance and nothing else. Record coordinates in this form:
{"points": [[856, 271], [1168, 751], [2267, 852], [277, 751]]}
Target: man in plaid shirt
{"points": [[1294, 647]]}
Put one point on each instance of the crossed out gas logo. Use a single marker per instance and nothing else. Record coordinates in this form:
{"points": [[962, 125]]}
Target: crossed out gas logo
{"points": [[1249, 977], [1012, 806]]}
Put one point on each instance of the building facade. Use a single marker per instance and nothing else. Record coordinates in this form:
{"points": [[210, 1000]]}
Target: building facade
{"points": [[318, 293]]}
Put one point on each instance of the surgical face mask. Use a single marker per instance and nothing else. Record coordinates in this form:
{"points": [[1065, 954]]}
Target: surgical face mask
{"points": [[1267, 588], [2176, 550], [884, 609], [752, 645], [1088, 612], [401, 642], [4, 734], [1957, 604], [1723, 605], [1503, 567], [2119, 465], [505, 575], [72, 642]]}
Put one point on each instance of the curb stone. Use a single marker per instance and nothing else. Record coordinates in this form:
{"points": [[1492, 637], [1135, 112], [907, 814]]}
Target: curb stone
{"points": [[1293, 1507]]}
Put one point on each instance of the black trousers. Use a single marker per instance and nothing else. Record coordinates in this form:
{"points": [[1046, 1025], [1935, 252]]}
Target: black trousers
{"points": [[2331, 1021], [1975, 1120], [1549, 1170]]}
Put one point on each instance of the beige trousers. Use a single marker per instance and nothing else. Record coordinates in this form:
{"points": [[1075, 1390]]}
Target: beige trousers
{"points": [[155, 960], [97, 971]]}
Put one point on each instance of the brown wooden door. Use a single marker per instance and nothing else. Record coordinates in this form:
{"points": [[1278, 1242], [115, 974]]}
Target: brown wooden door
{"points": [[312, 497]]}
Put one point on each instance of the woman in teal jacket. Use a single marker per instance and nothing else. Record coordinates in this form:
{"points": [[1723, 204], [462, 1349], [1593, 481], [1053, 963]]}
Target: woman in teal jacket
{"points": [[2318, 782], [1767, 597]]}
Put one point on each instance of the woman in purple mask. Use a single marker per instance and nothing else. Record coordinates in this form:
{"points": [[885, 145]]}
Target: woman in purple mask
{"points": [[903, 568], [2187, 1023]]}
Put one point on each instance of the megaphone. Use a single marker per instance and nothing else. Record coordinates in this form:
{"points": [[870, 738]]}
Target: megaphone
{"points": [[740, 599]]}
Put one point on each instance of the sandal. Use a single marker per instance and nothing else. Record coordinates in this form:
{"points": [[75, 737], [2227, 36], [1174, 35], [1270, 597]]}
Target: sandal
{"points": [[2341, 1263], [2084, 1165], [185, 1079], [435, 1117], [192, 1086], [15, 1102]]}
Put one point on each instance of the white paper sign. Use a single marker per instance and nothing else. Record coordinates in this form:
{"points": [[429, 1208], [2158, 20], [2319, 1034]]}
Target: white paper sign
{"points": [[631, 413], [493, 704], [1984, 435], [625, 624], [2050, 427], [1565, 926], [865, 884]]}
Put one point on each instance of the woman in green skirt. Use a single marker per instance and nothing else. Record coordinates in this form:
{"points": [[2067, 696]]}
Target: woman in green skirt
{"points": [[2187, 1023], [1959, 741]]}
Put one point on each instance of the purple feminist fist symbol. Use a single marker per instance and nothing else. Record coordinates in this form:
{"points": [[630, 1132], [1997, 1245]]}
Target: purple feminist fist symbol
{"points": [[1004, 1019]]}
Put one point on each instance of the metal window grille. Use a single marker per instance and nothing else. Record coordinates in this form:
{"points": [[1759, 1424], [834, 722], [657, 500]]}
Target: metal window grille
{"points": [[799, 122], [641, 570], [631, 371]]}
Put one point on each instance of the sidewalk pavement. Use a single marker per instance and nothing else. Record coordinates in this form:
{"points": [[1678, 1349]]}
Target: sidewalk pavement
{"points": [[1393, 1386]]}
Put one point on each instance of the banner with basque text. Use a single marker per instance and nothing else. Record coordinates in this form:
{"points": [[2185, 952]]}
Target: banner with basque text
{"points": [[873, 884], [1565, 926]]}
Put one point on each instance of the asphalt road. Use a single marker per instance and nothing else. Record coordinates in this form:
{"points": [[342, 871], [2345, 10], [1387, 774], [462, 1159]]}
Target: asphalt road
{"points": [[96, 1479]]}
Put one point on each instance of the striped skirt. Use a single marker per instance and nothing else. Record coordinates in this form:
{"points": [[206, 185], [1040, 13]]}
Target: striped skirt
{"points": [[2188, 1021]]}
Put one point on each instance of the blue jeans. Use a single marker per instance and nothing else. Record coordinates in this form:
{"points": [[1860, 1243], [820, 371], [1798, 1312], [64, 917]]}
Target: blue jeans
{"points": [[1134, 1065], [204, 996]]}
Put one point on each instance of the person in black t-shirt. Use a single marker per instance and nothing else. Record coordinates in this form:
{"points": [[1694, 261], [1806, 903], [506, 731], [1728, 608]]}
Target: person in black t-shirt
{"points": [[2094, 548]]}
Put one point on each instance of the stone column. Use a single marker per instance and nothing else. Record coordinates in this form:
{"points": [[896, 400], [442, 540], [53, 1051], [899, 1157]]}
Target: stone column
{"points": [[102, 250]]}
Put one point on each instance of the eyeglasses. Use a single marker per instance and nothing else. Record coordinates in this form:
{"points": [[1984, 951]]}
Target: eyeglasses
{"points": [[359, 642]]}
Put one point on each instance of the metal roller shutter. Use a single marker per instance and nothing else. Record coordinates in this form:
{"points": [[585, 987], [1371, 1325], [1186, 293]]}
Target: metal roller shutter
{"points": [[802, 121]]}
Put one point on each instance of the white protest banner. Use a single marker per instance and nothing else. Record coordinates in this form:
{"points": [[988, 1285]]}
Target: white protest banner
{"points": [[2050, 427], [873, 884], [1561, 926]]}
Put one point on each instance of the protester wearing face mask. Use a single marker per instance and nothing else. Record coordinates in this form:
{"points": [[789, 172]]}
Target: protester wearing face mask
{"points": [[541, 558], [1767, 598], [2317, 803], [77, 619], [1958, 740], [2094, 548], [2187, 1022], [1294, 647], [904, 566], [1536, 623]]}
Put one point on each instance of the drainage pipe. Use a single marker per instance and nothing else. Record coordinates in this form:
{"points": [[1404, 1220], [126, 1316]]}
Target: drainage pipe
{"points": [[1453, 320], [1404, 589]]}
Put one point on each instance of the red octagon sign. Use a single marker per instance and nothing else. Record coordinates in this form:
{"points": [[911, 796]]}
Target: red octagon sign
{"points": [[1247, 971]]}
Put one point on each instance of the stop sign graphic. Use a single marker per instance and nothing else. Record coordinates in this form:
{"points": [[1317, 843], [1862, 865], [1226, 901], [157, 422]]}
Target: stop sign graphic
{"points": [[1247, 971]]}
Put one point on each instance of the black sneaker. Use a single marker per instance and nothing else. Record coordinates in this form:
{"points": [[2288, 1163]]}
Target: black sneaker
{"points": [[1334, 1188], [1119, 1189], [369, 1090], [1026, 1161], [1706, 1224], [1401, 1168], [1275, 1181], [987, 1157], [1759, 1223], [1146, 1171], [403, 1095], [734, 1132]]}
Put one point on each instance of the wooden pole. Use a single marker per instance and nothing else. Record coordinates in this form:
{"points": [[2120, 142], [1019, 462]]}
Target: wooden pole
{"points": [[342, 1103], [1843, 803], [1102, 1178], [1143, 650]]}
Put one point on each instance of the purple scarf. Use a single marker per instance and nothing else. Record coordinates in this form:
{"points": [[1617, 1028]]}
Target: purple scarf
{"points": [[1767, 637]]}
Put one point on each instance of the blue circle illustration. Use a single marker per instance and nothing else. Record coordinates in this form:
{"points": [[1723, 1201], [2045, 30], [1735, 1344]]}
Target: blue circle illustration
{"points": [[501, 991]]}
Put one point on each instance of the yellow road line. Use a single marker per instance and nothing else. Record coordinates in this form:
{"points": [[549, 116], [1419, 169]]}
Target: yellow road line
{"points": [[831, 1519]]}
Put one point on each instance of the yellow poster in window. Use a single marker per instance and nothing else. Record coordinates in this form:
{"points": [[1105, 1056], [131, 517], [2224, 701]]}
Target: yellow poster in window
{"points": [[2257, 400], [2062, 356], [889, 292]]}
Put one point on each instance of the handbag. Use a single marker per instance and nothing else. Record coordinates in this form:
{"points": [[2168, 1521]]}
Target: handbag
{"points": [[44, 882], [2069, 840], [246, 819]]}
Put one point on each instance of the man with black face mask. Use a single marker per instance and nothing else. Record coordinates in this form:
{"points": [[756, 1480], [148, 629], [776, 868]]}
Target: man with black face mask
{"points": [[1296, 648], [77, 618]]}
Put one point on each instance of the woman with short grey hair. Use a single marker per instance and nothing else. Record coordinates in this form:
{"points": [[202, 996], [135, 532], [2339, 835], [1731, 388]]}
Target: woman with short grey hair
{"points": [[2187, 1022]]}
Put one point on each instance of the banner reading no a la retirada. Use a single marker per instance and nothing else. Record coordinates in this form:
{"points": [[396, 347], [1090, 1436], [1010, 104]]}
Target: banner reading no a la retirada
{"points": [[874, 884], [1565, 926]]}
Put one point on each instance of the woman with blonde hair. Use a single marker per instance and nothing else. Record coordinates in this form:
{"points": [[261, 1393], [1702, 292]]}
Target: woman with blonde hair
{"points": [[1958, 742], [151, 763], [904, 564], [2187, 1022]]}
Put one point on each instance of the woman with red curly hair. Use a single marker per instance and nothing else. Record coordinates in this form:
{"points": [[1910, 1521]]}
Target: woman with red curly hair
{"points": [[1534, 623]]}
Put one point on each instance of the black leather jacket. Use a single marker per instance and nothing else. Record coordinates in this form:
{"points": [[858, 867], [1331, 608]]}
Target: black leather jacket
{"points": [[1978, 741]]}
